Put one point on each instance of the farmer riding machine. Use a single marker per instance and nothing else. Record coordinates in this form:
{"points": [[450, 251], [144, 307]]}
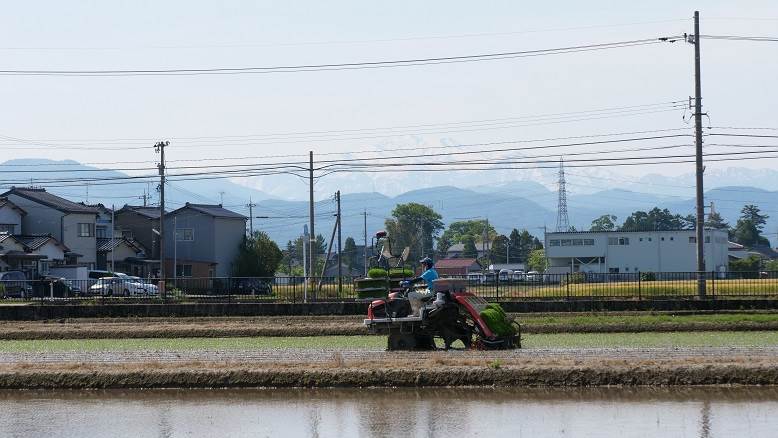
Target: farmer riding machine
{"points": [[413, 318]]}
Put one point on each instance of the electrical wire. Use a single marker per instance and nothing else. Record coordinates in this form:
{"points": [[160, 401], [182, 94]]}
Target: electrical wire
{"points": [[339, 66]]}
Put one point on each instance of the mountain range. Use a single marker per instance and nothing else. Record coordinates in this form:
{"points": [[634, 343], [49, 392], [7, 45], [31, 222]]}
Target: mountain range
{"points": [[507, 204]]}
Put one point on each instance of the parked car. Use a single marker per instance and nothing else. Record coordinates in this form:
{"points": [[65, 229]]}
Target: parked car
{"points": [[60, 286], [251, 286], [534, 276], [475, 278], [14, 284], [519, 275], [117, 286], [505, 275], [147, 285]]}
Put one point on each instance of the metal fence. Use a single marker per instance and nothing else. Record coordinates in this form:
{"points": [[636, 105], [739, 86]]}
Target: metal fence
{"points": [[637, 285]]}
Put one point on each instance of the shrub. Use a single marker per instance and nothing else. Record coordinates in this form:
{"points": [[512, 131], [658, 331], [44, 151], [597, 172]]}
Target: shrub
{"points": [[400, 273], [574, 278], [647, 276], [377, 273]]}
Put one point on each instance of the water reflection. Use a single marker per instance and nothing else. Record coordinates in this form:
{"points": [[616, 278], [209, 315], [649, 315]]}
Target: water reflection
{"points": [[425, 412]]}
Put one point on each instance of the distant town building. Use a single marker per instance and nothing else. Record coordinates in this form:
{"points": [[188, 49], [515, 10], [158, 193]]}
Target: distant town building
{"points": [[456, 250], [69, 223], [629, 252], [207, 240]]}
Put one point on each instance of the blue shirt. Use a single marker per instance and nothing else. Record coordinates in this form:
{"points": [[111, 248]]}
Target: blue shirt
{"points": [[429, 275]]}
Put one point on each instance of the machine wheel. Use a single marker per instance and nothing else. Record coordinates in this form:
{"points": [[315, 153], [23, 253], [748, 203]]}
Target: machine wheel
{"points": [[401, 341]]}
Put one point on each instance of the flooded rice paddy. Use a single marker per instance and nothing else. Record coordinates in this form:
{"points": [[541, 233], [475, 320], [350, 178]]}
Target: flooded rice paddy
{"points": [[425, 412]]}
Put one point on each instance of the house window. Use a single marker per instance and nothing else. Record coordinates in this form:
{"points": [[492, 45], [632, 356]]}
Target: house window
{"points": [[553, 243], [649, 239], [672, 238], [183, 270], [613, 240], [626, 269], [588, 242], [185, 234], [101, 231], [567, 242], [86, 230], [692, 239], [7, 228], [577, 242], [613, 270], [641, 239]]}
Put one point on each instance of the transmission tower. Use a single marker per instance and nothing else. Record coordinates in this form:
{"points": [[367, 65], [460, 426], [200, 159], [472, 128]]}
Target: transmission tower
{"points": [[562, 222]]}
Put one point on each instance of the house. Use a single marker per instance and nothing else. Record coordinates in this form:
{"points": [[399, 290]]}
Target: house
{"points": [[625, 252], [138, 223], [10, 217], [456, 250], [32, 254], [122, 254], [457, 266], [70, 223], [207, 239], [737, 251]]}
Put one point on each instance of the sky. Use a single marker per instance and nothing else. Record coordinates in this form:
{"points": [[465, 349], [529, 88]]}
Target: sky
{"points": [[268, 114]]}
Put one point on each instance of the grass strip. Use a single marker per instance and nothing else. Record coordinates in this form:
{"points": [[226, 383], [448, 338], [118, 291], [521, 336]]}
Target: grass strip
{"points": [[555, 340]]}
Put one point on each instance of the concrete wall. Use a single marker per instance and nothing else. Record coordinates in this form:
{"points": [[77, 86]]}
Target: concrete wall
{"points": [[201, 248], [229, 235], [141, 227], [39, 219], [86, 246], [9, 215]]}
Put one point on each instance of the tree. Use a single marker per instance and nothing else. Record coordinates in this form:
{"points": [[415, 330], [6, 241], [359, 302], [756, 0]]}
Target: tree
{"points": [[655, 219], [537, 260], [500, 249], [606, 222], [350, 256], [749, 266], [749, 227], [258, 256], [457, 231], [415, 226], [716, 222], [469, 251]]}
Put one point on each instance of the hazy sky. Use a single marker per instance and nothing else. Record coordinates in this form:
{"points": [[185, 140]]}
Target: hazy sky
{"points": [[738, 77]]}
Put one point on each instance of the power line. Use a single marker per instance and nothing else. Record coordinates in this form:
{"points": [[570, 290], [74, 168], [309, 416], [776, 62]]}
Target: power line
{"points": [[342, 65]]}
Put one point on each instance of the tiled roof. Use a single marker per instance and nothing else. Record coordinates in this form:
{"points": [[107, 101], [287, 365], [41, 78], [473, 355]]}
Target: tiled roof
{"points": [[35, 241], [41, 196], [455, 263], [215, 210], [106, 244], [149, 212], [5, 201]]}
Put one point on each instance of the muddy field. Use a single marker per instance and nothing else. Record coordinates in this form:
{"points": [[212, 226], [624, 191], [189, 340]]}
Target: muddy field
{"points": [[352, 325], [598, 367]]}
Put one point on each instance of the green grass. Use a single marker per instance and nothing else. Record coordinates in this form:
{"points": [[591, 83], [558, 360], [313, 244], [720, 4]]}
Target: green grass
{"points": [[648, 339], [575, 340], [719, 318]]}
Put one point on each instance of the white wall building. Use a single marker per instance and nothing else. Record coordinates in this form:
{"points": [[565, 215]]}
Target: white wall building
{"points": [[626, 252]]}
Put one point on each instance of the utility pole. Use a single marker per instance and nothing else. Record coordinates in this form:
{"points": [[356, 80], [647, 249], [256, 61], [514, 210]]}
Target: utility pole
{"points": [[312, 238], [160, 148], [251, 206], [698, 162], [340, 253], [113, 241], [365, 215]]}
